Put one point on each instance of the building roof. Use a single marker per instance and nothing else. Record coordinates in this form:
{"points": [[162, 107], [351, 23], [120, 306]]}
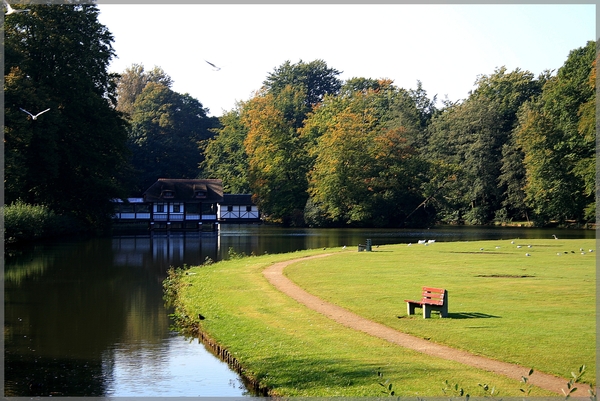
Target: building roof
{"points": [[184, 190], [237, 199]]}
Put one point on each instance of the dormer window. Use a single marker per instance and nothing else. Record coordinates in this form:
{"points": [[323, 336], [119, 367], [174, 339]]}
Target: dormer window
{"points": [[168, 194], [200, 194]]}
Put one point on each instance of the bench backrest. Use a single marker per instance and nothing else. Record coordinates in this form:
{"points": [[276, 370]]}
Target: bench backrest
{"points": [[433, 296]]}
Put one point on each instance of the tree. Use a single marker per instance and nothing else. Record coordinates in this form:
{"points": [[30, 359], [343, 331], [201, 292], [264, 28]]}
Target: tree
{"points": [[225, 155], [71, 158], [467, 137], [365, 171], [315, 78], [277, 156], [167, 129], [277, 161], [557, 136], [133, 81], [475, 136]]}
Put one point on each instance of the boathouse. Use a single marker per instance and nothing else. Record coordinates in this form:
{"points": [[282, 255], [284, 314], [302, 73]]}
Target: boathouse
{"points": [[174, 204], [238, 208]]}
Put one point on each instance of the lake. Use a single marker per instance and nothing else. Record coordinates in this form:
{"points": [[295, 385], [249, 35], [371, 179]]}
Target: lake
{"points": [[87, 318]]}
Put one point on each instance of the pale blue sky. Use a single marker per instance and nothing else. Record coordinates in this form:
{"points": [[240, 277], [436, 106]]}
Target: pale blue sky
{"points": [[444, 46]]}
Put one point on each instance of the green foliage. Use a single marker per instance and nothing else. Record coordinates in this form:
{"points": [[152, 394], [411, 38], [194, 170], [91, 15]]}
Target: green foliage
{"points": [[315, 79], [225, 155], [365, 171], [454, 390], [71, 158], [576, 378], [165, 135], [277, 159], [557, 138], [23, 222], [388, 387], [366, 153], [132, 82]]}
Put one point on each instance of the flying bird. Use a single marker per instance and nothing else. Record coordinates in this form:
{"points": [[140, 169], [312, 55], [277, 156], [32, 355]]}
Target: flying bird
{"points": [[34, 117], [213, 66], [10, 10]]}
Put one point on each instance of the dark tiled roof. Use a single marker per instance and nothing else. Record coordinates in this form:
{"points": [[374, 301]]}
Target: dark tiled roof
{"points": [[182, 190], [237, 199]]}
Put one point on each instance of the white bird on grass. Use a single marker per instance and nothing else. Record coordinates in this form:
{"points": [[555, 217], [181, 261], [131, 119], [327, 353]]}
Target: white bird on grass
{"points": [[213, 66], [555, 237], [34, 117], [10, 10]]}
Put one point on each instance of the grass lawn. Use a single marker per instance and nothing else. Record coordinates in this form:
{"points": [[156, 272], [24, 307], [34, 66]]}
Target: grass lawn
{"points": [[537, 311]]}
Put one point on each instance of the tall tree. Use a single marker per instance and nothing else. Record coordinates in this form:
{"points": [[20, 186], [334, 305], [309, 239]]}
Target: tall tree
{"points": [[225, 155], [315, 78], [277, 162], [557, 136], [133, 81], [70, 158], [277, 158], [468, 138], [167, 129], [365, 171]]}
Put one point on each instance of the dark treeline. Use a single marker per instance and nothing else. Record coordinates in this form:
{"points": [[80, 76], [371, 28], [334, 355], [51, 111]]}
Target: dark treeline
{"points": [[311, 148]]}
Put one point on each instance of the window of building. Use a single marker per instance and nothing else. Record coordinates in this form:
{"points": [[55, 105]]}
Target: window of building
{"points": [[160, 208], [177, 208]]}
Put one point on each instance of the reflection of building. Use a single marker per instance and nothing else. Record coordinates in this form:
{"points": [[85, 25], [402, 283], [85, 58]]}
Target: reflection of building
{"points": [[237, 209], [164, 250]]}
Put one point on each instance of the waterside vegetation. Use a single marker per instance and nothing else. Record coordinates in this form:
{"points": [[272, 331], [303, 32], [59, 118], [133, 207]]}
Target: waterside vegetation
{"points": [[536, 311]]}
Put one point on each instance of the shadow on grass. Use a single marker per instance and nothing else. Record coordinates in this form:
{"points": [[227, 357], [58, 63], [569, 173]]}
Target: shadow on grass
{"points": [[471, 315], [456, 315]]}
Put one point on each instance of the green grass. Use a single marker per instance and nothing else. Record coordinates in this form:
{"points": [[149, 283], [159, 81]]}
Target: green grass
{"points": [[545, 321]]}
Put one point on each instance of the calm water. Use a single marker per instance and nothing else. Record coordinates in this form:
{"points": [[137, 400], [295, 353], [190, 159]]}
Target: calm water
{"points": [[86, 318]]}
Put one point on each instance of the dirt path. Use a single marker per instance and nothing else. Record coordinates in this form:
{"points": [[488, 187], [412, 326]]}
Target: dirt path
{"points": [[274, 274]]}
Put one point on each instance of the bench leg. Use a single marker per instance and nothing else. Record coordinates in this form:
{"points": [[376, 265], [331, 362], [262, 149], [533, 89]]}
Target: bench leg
{"points": [[426, 311], [410, 308], [444, 311]]}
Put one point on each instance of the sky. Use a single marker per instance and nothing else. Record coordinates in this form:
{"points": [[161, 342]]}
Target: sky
{"points": [[445, 46]]}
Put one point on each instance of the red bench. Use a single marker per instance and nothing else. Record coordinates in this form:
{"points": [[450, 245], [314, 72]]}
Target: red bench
{"points": [[432, 299]]}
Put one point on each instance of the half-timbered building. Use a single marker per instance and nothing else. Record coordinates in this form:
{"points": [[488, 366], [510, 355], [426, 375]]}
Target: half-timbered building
{"points": [[175, 204], [238, 208]]}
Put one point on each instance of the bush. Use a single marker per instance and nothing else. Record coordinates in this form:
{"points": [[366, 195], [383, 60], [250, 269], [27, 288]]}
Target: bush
{"points": [[25, 222]]}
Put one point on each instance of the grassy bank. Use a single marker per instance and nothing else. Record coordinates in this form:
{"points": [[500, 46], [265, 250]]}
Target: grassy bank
{"points": [[536, 310]]}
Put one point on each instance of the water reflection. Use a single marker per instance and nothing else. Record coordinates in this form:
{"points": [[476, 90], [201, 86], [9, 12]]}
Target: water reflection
{"points": [[87, 318], [174, 368]]}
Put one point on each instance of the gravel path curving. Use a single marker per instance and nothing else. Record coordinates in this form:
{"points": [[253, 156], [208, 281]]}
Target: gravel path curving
{"points": [[274, 274]]}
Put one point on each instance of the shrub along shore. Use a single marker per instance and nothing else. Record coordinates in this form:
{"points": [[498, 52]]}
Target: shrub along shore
{"points": [[537, 311]]}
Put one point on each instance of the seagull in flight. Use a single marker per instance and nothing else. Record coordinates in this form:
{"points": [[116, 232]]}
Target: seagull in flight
{"points": [[34, 117], [10, 10], [213, 66]]}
